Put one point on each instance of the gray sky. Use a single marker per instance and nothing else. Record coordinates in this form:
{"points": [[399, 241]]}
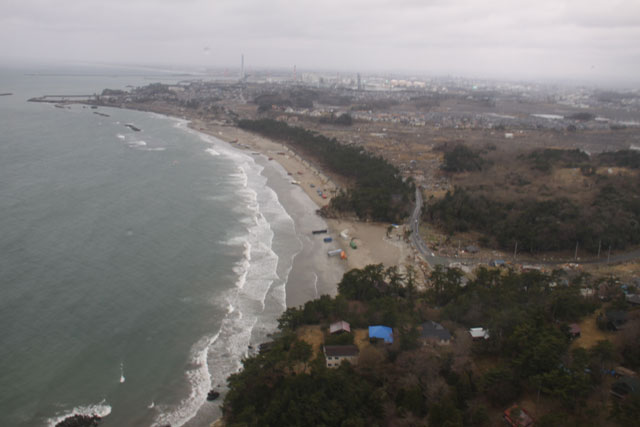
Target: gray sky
{"points": [[565, 39]]}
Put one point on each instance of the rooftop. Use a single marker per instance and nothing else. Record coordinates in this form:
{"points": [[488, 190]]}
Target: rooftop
{"points": [[479, 333], [382, 332], [432, 329], [339, 326], [340, 350]]}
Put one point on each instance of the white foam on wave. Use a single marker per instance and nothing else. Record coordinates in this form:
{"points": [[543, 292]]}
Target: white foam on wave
{"points": [[212, 152], [122, 379], [200, 382], [100, 409], [120, 136], [258, 269], [215, 358], [241, 177], [154, 149]]}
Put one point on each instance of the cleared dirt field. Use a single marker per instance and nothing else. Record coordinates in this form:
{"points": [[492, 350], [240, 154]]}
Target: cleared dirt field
{"points": [[590, 334]]}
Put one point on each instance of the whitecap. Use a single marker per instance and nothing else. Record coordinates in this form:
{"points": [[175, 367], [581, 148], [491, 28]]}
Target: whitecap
{"points": [[137, 144], [120, 136], [247, 319], [200, 381], [212, 152]]}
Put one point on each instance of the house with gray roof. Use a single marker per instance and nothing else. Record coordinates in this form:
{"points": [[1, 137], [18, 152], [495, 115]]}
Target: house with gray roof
{"points": [[335, 354], [435, 333]]}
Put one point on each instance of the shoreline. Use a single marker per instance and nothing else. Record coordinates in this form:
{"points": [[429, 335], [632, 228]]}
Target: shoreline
{"points": [[373, 244], [312, 272]]}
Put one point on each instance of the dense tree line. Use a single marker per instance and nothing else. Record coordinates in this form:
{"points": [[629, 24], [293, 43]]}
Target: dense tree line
{"points": [[381, 295], [462, 159], [545, 159], [406, 384], [623, 158], [341, 120], [378, 190], [612, 219], [268, 392]]}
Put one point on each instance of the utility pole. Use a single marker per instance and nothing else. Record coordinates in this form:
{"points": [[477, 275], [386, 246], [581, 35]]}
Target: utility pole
{"points": [[515, 251], [575, 256]]}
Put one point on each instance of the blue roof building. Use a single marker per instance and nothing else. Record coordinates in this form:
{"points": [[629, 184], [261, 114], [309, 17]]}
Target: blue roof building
{"points": [[381, 332]]}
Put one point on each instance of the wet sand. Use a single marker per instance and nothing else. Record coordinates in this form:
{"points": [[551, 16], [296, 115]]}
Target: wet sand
{"points": [[374, 243]]}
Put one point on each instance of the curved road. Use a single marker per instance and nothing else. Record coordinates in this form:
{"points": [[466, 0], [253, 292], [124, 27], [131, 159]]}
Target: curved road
{"points": [[434, 259]]}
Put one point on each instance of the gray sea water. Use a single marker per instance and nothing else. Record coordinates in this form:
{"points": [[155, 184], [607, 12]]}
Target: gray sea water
{"points": [[135, 267]]}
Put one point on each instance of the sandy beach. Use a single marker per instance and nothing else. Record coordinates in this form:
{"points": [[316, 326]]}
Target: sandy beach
{"points": [[375, 244]]}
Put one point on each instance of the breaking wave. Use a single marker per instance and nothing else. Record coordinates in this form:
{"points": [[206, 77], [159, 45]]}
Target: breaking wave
{"points": [[253, 304], [100, 409]]}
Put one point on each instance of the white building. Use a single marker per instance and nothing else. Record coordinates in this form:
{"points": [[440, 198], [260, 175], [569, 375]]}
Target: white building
{"points": [[335, 354]]}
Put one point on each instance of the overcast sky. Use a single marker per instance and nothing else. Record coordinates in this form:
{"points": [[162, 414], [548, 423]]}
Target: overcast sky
{"points": [[565, 39]]}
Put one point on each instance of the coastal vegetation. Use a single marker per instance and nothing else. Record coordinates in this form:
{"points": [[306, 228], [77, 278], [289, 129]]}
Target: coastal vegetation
{"points": [[528, 353], [377, 190], [546, 200]]}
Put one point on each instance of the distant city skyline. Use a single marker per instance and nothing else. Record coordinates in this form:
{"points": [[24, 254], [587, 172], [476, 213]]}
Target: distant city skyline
{"points": [[594, 41]]}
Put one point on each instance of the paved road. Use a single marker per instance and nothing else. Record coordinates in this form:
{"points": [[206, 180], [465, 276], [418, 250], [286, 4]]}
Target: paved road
{"points": [[434, 259], [420, 244]]}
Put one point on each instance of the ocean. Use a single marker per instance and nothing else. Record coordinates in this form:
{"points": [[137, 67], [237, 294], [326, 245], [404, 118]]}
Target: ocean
{"points": [[137, 267]]}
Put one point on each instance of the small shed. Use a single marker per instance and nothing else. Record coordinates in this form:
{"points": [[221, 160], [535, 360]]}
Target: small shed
{"points": [[339, 327], [381, 333], [433, 332], [479, 334]]}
